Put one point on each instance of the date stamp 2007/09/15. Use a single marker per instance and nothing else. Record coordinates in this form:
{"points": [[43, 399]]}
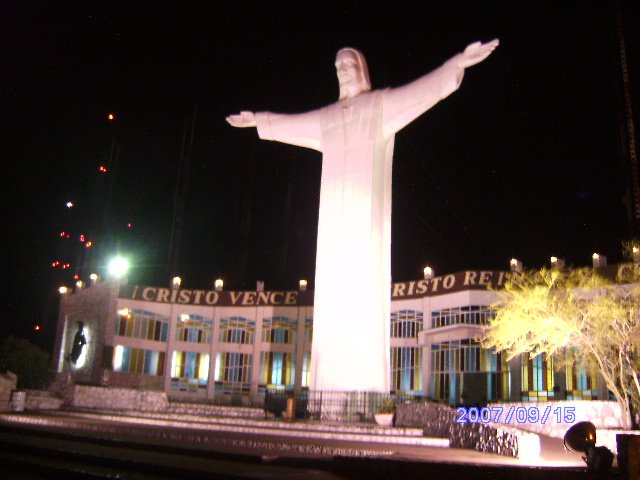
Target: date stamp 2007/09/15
{"points": [[513, 414]]}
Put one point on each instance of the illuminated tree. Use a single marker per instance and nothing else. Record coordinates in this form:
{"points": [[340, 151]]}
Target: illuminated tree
{"points": [[576, 316]]}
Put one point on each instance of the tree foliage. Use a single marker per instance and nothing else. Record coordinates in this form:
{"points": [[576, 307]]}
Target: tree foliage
{"points": [[577, 316], [29, 362]]}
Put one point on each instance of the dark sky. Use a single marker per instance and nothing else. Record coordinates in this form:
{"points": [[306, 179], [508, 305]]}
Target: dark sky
{"points": [[523, 161]]}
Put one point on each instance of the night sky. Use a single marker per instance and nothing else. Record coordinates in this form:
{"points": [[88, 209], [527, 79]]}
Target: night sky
{"points": [[524, 160]]}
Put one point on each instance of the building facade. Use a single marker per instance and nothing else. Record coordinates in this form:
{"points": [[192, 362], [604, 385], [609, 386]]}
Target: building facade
{"points": [[231, 346]]}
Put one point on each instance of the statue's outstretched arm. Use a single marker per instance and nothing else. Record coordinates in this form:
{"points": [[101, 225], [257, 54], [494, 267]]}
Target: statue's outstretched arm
{"points": [[476, 52], [404, 104], [302, 129], [242, 120]]}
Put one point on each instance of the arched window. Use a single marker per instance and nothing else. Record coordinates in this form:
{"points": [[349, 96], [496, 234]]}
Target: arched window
{"points": [[141, 324], [237, 330], [279, 330], [193, 328]]}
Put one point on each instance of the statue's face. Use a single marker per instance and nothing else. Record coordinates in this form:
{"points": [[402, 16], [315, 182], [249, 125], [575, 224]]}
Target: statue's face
{"points": [[350, 77]]}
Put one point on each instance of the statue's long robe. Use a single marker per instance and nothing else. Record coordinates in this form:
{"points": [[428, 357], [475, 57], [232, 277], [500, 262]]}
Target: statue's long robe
{"points": [[351, 337]]}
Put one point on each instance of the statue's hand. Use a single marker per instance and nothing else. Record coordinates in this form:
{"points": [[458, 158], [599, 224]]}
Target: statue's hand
{"points": [[242, 120], [476, 52]]}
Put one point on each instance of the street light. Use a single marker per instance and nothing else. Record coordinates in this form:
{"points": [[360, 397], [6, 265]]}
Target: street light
{"points": [[118, 267]]}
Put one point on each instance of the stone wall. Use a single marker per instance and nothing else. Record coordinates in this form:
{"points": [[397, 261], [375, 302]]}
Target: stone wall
{"points": [[118, 399], [8, 383], [435, 419], [438, 420], [133, 380], [41, 400]]}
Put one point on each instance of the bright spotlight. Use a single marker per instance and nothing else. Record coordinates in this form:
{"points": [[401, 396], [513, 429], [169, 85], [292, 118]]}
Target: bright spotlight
{"points": [[118, 267]]}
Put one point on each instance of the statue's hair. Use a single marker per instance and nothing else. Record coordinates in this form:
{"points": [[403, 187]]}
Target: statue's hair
{"points": [[362, 63]]}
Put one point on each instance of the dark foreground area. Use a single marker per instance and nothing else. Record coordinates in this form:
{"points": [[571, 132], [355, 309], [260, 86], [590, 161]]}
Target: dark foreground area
{"points": [[27, 453]]}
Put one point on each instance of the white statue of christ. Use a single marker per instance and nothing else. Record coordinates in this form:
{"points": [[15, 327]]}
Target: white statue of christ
{"points": [[351, 324]]}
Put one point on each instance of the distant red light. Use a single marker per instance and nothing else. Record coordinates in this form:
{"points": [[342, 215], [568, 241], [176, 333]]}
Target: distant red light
{"points": [[82, 237], [62, 234], [36, 328], [76, 277], [102, 169], [129, 225]]}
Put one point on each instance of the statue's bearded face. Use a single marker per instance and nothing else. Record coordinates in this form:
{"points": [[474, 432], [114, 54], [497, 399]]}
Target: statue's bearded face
{"points": [[350, 76]]}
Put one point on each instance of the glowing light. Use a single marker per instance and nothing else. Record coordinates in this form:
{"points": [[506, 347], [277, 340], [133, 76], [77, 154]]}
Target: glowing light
{"points": [[123, 312], [129, 225], [636, 249], [102, 169], [595, 256], [515, 265], [218, 284], [174, 361], [118, 267], [111, 117], [428, 273], [302, 285], [529, 447], [63, 290], [175, 282], [554, 259], [82, 359], [184, 317], [204, 367], [82, 237], [88, 244], [79, 284], [117, 358], [37, 328], [69, 204], [94, 278], [63, 234], [76, 277]]}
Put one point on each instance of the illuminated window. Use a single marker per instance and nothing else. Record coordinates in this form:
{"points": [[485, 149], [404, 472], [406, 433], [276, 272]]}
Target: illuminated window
{"points": [[279, 330], [406, 369], [306, 369], [142, 324], [308, 330], [137, 360], [277, 368], [462, 371], [233, 377], [468, 315], [537, 378], [406, 324], [193, 329], [237, 330], [189, 371]]}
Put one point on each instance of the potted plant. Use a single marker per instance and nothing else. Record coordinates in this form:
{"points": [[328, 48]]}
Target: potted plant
{"points": [[387, 409]]}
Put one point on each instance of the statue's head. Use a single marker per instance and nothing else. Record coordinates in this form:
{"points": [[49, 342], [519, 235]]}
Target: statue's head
{"points": [[352, 71]]}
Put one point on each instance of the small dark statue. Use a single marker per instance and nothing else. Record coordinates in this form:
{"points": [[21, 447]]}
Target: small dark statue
{"points": [[79, 341]]}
